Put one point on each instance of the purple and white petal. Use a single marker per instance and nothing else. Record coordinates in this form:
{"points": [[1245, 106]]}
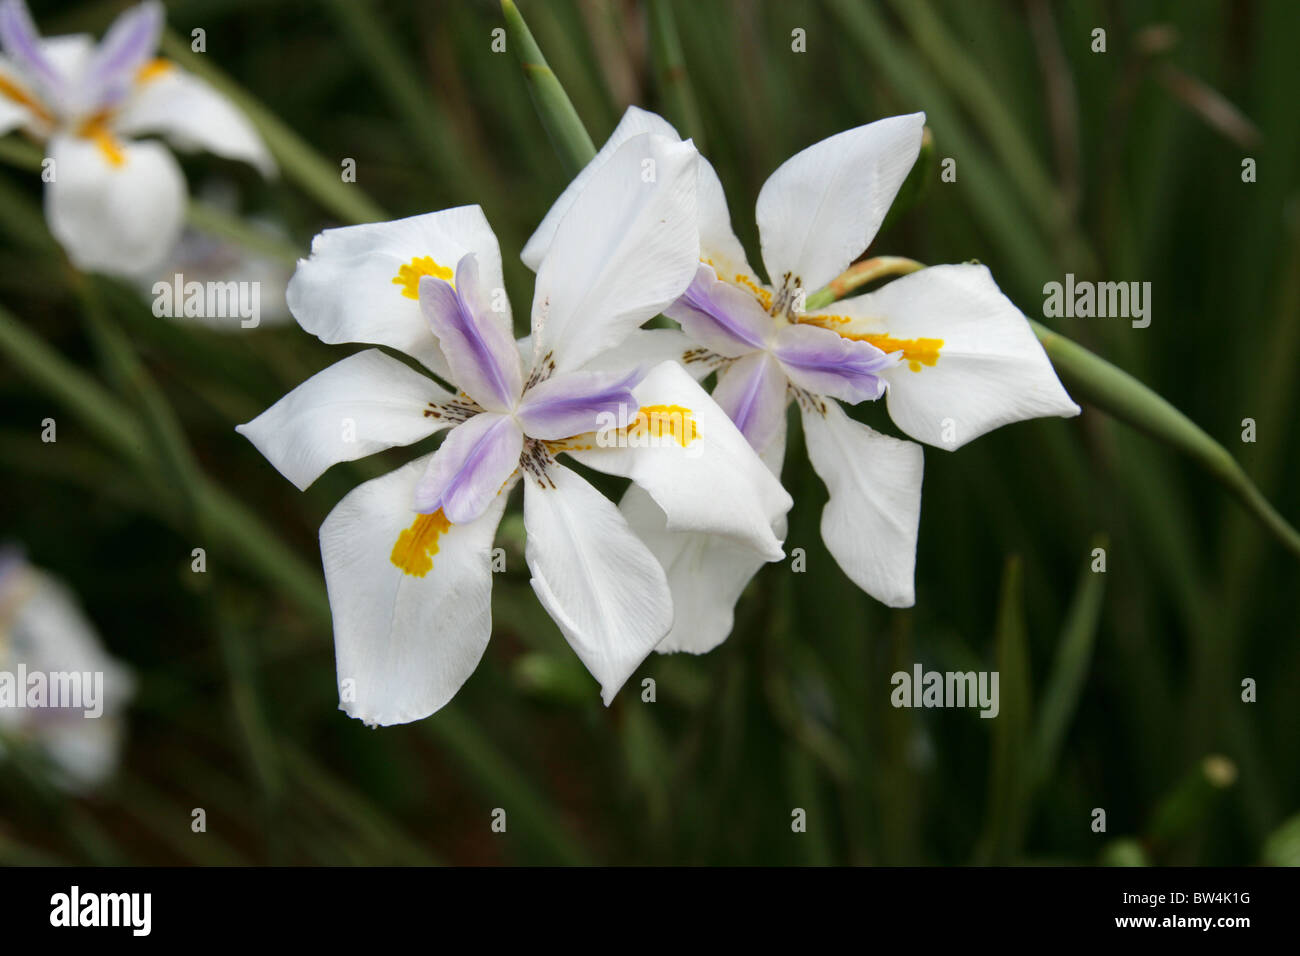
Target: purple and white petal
{"points": [[22, 43], [129, 42], [825, 363], [468, 471], [982, 366], [752, 391], [573, 403], [726, 319], [483, 357]]}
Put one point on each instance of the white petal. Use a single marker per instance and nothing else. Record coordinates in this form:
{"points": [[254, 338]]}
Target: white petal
{"points": [[50, 632], [646, 348], [194, 116], [625, 249], [346, 291], [602, 586], [47, 631], [716, 483], [118, 211], [405, 643], [990, 369], [823, 206], [870, 522], [634, 122], [718, 243], [706, 575], [356, 407]]}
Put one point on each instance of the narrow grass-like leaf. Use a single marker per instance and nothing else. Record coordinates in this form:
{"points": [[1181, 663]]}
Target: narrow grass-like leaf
{"points": [[1092, 379], [1005, 815], [1060, 695], [568, 135]]}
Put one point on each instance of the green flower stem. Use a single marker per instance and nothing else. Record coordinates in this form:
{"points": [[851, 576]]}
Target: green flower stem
{"points": [[1114, 391], [299, 162], [858, 275], [1111, 389], [568, 135]]}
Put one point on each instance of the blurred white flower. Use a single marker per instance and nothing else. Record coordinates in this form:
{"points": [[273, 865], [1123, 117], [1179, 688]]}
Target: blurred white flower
{"points": [[200, 257], [48, 649], [115, 202]]}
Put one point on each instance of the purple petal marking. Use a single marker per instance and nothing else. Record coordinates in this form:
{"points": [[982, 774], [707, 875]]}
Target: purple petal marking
{"points": [[483, 357], [21, 40], [470, 467], [572, 403], [827, 363], [718, 315], [752, 392], [129, 42]]}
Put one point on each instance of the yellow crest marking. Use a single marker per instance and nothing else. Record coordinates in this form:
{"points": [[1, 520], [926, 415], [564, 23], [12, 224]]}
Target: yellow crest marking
{"points": [[96, 130], [413, 553], [916, 352], [152, 70], [12, 91], [410, 274], [659, 421], [764, 296]]}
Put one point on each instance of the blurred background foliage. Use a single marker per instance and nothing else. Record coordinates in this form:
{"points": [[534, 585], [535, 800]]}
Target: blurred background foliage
{"points": [[1120, 690]]}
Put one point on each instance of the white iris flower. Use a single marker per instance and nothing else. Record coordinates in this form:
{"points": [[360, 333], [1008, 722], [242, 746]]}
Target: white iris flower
{"points": [[407, 555]]}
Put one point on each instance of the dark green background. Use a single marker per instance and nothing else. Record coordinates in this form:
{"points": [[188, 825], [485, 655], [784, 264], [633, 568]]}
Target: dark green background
{"points": [[1110, 166]]}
